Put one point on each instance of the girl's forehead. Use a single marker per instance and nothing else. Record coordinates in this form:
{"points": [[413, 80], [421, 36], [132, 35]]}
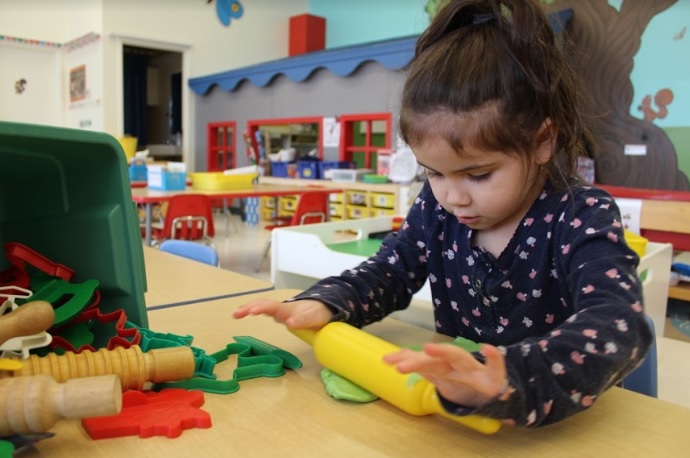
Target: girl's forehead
{"points": [[436, 151], [461, 130]]}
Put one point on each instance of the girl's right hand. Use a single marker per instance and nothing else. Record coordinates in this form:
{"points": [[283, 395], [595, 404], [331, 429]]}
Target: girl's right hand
{"points": [[302, 314]]}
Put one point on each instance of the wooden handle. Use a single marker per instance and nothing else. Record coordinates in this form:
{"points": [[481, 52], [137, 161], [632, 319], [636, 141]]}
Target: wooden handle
{"points": [[26, 320], [34, 404], [134, 367]]}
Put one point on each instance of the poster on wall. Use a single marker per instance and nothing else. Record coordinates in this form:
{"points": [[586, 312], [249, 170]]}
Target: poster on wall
{"points": [[77, 83], [331, 132]]}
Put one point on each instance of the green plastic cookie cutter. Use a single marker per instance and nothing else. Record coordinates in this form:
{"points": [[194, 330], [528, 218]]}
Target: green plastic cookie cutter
{"points": [[203, 363], [255, 358], [260, 347], [68, 299]]}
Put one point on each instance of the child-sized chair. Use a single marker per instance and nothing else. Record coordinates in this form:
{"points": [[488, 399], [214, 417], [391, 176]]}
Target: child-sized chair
{"points": [[188, 217], [191, 250], [312, 207]]}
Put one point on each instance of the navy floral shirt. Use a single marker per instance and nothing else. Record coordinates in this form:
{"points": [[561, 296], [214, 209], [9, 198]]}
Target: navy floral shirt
{"points": [[563, 301]]}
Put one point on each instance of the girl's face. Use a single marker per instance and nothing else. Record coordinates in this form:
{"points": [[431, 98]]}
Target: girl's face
{"points": [[485, 190]]}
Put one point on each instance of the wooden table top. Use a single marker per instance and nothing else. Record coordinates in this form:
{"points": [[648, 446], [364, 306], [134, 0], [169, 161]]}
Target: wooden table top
{"points": [[174, 280], [291, 416]]}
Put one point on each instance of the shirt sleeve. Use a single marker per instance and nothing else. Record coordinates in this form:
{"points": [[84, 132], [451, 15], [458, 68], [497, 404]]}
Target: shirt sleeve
{"points": [[385, 282], [564, 372]]}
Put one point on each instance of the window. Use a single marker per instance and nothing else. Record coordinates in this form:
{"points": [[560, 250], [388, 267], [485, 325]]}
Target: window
{"points": [[221, 146], [271, 135], [362, 136]]}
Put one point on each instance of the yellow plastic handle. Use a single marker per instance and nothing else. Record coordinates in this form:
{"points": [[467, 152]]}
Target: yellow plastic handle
{"points": [[7, 364]]}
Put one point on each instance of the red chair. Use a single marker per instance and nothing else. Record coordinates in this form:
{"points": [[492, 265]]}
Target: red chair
{"points": [[188, 217], [312, 207]]}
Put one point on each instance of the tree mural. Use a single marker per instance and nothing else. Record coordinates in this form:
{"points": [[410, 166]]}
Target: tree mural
{"points": [[607, 41]]}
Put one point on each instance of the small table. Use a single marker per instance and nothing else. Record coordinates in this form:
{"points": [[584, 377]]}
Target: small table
{"points": [[303, 421], [149, 197], [173, 280]]}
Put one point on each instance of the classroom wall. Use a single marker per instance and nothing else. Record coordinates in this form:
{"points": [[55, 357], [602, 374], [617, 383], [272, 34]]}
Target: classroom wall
{"points": [[641, 118], [325, 95], [37, 41], [364, 21], [260, 35], [663, 62], [633, 58], [23, 86], [50, 20]]}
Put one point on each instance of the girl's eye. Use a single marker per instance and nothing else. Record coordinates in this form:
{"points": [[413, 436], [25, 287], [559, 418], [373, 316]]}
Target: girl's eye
{"points": [[432, 173], [480, 177]]}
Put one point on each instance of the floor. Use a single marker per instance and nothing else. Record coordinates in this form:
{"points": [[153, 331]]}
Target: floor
{"points": [[241, 250]]}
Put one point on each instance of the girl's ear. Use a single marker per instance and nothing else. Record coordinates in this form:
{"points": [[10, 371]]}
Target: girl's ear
{"points": [[544, 142]]}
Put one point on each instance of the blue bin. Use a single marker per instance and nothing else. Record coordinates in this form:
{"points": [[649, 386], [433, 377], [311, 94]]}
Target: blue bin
{"points": [[308, 169], [283, 169], [138, 170]]}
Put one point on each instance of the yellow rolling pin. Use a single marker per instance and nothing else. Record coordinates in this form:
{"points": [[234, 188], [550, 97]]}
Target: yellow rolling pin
{"points": [[358, 357]]}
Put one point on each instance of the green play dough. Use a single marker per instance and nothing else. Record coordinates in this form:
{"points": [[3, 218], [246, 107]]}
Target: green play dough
{"points": [[342, 389], [466, 344]]}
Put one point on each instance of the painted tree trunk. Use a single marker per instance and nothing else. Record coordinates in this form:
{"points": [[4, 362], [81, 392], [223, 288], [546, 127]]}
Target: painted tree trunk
{"points": [[606, 43]]}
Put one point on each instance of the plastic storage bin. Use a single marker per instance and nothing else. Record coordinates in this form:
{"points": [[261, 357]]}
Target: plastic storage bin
{"points": [[308, 169], [355, 197], [138, 170], [66, 194], [218, 181], [382, 199], [325, 166], [283, 169], [164, 180], [356, 211]]}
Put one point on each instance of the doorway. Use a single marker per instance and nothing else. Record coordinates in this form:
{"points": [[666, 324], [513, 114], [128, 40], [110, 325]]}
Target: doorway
{"points": [[152, 100]]}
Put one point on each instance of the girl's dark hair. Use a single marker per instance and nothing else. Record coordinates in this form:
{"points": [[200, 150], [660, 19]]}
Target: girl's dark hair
{"points": [[499, 56]]}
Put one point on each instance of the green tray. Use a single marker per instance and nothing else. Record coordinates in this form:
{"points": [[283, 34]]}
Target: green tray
{"points": [[362, 247]]}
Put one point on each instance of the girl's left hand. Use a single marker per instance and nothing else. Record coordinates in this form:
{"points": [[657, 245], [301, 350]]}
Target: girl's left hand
{"points": [[455, 373]]}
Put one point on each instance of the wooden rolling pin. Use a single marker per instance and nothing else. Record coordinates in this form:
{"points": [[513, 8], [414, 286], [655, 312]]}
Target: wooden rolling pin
{"points": [[35, 404], [26, 320], [133, 366]]}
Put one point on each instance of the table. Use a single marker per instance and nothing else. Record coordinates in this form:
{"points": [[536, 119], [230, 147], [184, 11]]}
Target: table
{"points": [[149, 197], [291, 416], [173, 280]]}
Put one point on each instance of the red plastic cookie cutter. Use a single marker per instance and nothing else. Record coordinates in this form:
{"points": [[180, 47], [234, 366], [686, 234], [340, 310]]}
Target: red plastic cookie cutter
{"points": [[19, 255], [120, 336], [147, 414]]}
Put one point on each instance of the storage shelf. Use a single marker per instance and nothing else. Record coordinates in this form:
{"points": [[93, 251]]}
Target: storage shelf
{"points": [[360, 200]]}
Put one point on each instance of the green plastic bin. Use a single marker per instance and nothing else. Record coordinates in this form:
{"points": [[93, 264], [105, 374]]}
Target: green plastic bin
{"points": [[66, 194]]}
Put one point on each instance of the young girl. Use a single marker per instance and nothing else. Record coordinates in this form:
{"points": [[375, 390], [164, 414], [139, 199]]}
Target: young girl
{"points": [[519, 255]]}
